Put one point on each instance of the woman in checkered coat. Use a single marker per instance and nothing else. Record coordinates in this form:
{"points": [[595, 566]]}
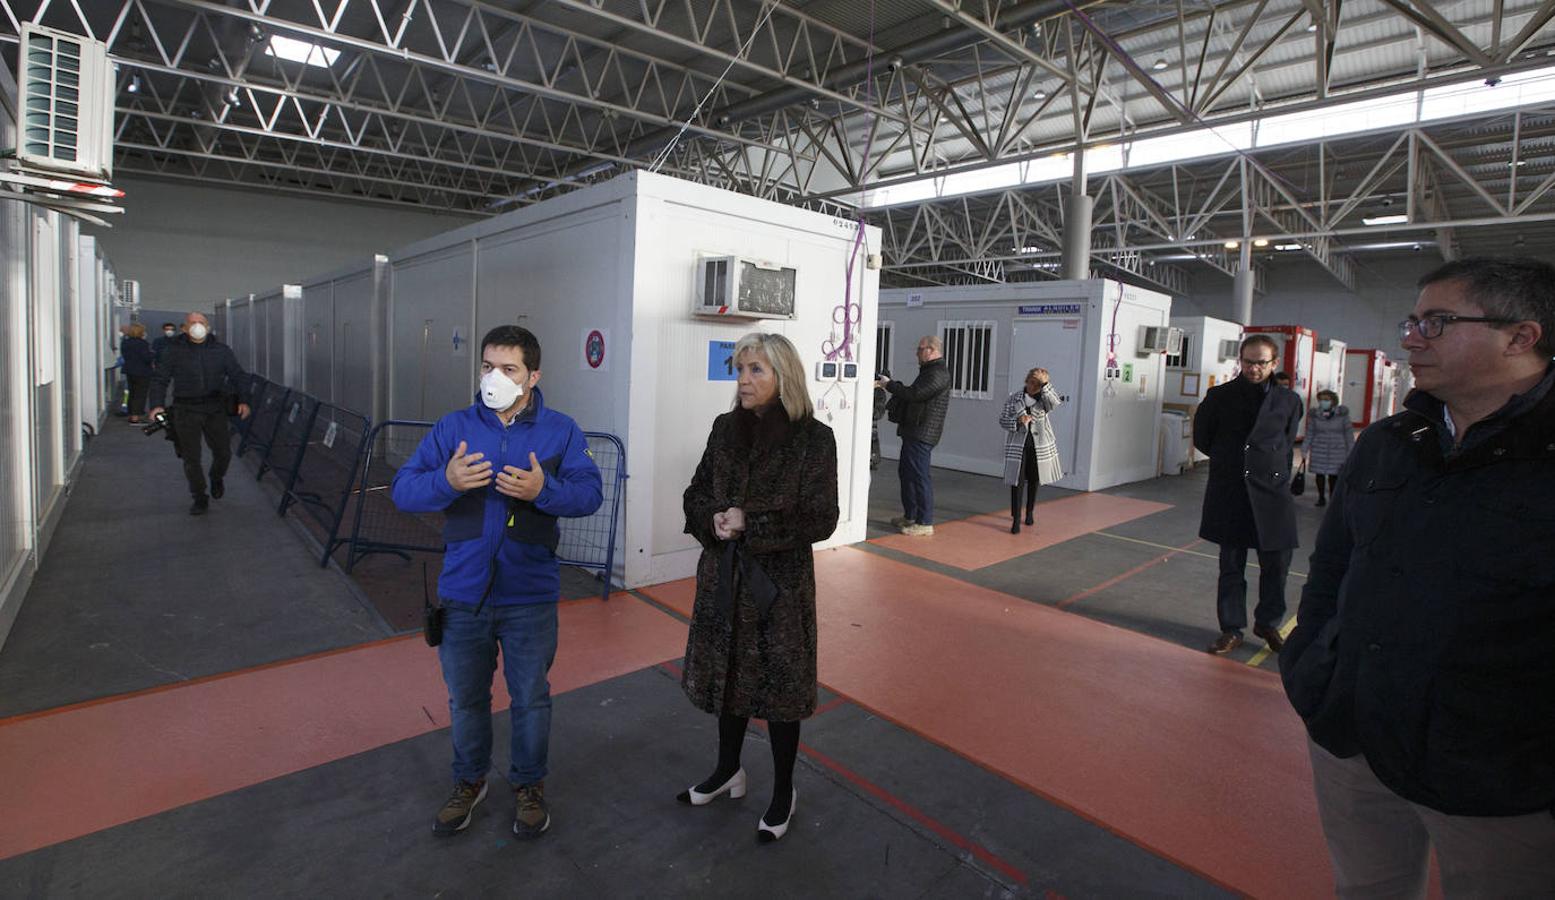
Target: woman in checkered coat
{"points": [[1030, 449]]}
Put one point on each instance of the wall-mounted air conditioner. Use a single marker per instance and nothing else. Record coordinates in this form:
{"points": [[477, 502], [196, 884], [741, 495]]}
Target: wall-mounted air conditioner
{"points": [[733, 287], [1157, 339], [1229, 349], [65, 108], [129, 292]]}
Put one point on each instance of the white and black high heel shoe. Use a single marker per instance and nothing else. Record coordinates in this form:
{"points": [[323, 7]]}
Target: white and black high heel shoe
{"points": [[766, 834], [734, 787]]}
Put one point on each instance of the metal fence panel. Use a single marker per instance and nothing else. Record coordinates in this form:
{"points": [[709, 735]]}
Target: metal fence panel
{"points": [[291, 439], [380, 526], [266, 418], [589, 542], [326, 478]]}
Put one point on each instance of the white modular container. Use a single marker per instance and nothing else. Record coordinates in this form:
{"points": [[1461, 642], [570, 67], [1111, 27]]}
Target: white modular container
{"points": [[1108, 426], [1208, 358], [345, 316], [1370, 387], [278, 336], [240, 326], [607, 278], [1328, 365]]}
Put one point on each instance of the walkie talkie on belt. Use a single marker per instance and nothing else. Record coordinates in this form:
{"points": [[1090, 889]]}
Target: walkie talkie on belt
{"points": [[431, 616]]}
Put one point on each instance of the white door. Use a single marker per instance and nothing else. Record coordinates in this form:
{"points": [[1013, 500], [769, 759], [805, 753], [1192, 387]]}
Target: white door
{"points": [[1052, 344]]}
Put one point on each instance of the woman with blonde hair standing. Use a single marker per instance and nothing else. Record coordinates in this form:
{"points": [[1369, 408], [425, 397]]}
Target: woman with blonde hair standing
{"points": [[1330, 436], [138, 364], [765, 490], [1030, 447]]}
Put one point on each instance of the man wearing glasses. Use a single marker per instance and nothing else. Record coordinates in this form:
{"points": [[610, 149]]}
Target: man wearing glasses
{"points": [[1247, 428], [1422, 663]]}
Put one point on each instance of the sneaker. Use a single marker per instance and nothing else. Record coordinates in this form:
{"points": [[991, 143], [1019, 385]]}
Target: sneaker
{"points": [[217, 487], [901, 522], [454, 817], [201, 504], [532, 817], [916, 530]]}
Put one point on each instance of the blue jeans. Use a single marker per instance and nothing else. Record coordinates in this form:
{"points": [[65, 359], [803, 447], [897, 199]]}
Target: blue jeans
{"points": [[527, 637], [917, 482]]}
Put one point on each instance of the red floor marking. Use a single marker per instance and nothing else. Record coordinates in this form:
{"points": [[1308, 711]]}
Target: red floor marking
{"points": [[105, 763], [917, 815], [985, 540], [1076, 598]]}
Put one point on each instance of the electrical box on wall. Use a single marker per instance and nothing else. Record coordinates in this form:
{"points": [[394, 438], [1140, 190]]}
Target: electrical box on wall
{"points": [[826, 370], [65, 103], [849, 372], [733, 287]]}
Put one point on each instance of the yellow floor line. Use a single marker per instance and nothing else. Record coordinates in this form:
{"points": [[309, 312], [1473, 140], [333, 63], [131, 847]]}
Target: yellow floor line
{"points": [[1263, 654]]}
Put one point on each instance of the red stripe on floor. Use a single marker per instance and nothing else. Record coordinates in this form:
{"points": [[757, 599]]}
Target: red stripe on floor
{"points": [[103, 764], [986, 540], [1077, 597]]}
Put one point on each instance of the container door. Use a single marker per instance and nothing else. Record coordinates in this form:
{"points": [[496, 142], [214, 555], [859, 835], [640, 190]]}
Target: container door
{"points": [[1053, 344]]}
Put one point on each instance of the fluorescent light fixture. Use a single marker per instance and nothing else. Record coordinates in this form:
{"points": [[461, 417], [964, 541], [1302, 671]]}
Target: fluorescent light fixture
{"points": [[134, 86], [1159, 64], [1386, 220], [1039, 94], [1028, 249], [302, 52], [1287, 246]]}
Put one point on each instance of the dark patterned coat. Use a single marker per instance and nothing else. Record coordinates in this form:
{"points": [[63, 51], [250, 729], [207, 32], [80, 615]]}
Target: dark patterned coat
{"points": [[784, 476]]}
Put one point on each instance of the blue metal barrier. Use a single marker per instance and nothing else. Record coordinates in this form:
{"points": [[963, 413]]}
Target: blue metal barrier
{"points": [[326, 474], [589, 542]]}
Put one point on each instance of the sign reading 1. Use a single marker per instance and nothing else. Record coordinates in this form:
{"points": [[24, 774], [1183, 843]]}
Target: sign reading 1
{"points": [[720, 361]]}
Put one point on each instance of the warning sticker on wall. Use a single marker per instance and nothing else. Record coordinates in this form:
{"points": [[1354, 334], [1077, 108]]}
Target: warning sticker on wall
{"points": [[596, 350]]}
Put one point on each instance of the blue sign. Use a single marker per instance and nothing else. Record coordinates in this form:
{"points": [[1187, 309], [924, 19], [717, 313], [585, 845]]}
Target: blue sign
{"points": [[1051, 309], [720, 361]]}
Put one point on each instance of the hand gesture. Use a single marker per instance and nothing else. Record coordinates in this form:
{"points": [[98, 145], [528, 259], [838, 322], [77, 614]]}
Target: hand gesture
{"points": [[1024, 420], [243, 410], [156, 411], [882, 382], [467, 471], [521, 484], [729, 524]]}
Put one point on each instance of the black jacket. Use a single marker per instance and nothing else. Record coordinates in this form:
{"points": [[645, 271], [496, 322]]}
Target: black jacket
{"points": [[928, 399], [138, 358], [197, 371], [1248, 434], [1427, 622]]}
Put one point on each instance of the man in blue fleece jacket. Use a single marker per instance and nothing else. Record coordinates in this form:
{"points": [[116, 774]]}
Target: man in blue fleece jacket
{"points": [[501, 472]]}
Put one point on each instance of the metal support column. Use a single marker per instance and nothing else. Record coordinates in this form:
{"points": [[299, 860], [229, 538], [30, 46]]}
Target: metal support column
{"points": [[1242, 287], [1077, 224]]}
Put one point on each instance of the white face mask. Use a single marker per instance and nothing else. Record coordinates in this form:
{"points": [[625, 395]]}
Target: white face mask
{"points": [[498, 391], [169, 333], [198, 331]]}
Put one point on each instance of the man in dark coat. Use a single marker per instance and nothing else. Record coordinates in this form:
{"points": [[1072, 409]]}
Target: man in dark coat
{"points": [[203, 373], [1247, 428], [1421, 662], [922, 420]]}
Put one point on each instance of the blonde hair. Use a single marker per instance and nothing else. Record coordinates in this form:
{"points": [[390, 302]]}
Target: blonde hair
{"points": [[781, 354], [136, 330]]}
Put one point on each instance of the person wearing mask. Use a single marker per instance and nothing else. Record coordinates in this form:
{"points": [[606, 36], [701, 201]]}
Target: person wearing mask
{"points": [[1420, 662], [203, 373], [764, 491], [138, 361], [169, 332], [924, 404], [1247, 427], [1030, 448], [501, 471], [1330, 436]]}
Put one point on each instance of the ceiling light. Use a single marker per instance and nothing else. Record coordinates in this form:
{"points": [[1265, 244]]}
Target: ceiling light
{"points": [[1386, 220], [1159, 64], [302, 51], [1311, 28], [1261, 242], [1040, 94], [134, 85], [1287, 246], [1232, 245]]}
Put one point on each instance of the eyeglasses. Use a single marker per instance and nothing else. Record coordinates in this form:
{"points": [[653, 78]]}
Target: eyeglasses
{"points": [[1433, 325], [1250, 363]]}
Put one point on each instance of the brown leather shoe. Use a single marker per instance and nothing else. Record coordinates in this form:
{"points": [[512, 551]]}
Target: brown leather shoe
{"points": [[1228, 641], [1271, 636]]}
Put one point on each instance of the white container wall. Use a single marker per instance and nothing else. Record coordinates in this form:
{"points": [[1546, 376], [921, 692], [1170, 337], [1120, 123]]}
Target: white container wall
{"points": [[56, 292], [344, 316], [1108, 427], [1370, 386], [1208, 358], [606, 277], [1328, 367]]}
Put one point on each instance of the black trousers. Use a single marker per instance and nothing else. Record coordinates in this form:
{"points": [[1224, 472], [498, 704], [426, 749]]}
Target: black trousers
{"points": [[1231, 593], [140, 385], [193, 420]]}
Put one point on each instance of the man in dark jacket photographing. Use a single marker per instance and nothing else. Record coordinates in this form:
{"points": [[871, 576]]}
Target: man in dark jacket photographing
{"points": [[923, 407], [1422, 664], [204, 373]]}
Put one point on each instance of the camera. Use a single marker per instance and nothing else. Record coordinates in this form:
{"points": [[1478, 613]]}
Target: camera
{"points": [[158, 422]]}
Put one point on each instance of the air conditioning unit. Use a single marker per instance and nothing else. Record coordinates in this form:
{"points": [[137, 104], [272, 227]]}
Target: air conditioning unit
{"points": [[65, 108], [738, 288], [1174, 341], [129, 292], [1156, 339], [1229, 349]]}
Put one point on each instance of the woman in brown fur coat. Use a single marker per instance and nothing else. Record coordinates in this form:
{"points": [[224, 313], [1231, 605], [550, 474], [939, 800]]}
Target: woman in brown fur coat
{"points": [[766, 490]]}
